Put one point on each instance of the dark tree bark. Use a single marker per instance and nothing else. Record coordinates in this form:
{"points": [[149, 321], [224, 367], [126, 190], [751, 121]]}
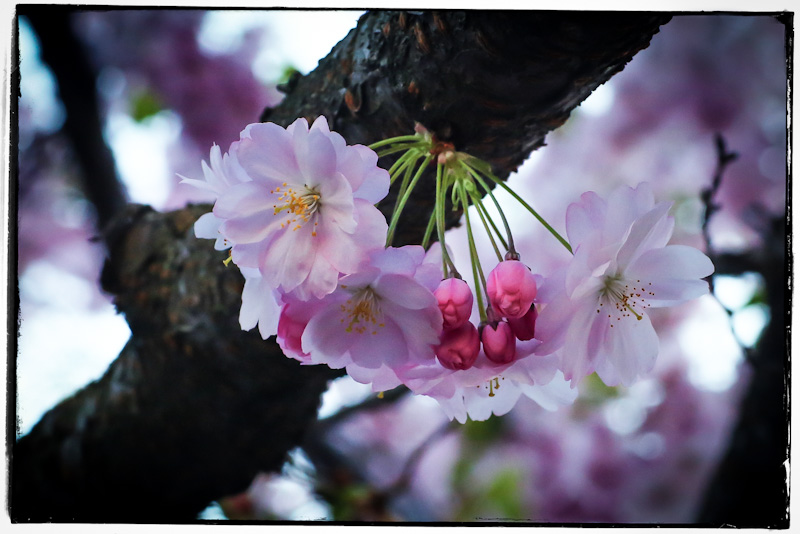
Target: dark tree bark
{"points": [[193, 408], [750, 487], [76, 86]]}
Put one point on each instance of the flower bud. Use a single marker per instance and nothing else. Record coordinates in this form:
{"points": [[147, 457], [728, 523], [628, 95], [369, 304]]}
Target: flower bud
{"points": [[511, 288], [290, 332], [498, 342], [459, 347], [524, 328], [455, 301]]}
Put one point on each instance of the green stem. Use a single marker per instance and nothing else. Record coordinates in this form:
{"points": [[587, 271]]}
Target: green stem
{"points": [[486, 188], [476, 201], [473, 253], [426, 239], [533, 212], [399, 209], [400, 164], [389, 141], [402, 148], [440, 224], [497, 231], [408, 169]]}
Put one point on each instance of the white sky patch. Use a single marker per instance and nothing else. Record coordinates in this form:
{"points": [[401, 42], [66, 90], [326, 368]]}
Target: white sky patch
{"points": [[710, 348], [734, 292], [292, 38], [141, 156], [342, 392], [62, 348], [37, 84], [749, 322], [599, 102]]}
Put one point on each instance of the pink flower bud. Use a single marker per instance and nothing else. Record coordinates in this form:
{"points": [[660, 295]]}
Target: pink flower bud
{"points": [[290, 332], [525, 327], [511, 288], [455, 301], [498, 342], [459, 347]]}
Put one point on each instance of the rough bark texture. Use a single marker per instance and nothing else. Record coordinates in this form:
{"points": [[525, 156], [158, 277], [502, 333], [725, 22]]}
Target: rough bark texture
{"points": [[193, 408]]}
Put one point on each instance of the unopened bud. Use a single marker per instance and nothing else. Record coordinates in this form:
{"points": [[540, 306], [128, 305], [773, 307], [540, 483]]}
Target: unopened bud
{"points": [[511, 288], [498, 340], [455, 301], [459, 347], [524, 328]]}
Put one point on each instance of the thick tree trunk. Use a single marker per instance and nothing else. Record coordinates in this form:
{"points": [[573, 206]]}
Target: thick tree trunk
{"points": [[193, 408]]}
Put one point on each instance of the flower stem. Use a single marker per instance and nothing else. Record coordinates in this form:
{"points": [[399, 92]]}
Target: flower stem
{"points": [[533, 212], [426, 239], [402, 162], [406, 194], [407, 147], [497, 231], [486, 188], [476, 201], [389, 141], [439, 210], [473, 254]]}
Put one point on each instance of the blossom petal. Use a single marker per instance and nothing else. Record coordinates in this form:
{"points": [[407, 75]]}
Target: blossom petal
{"points": [[385, 345], [251, 229], [337, 203], [672, 274], [553, 322], [585, 217], [207, 226], [585, 338], [651, 230], [267, 155], [289, 258], [244, 199], [625, 205], [324, 337], [404, 291], [630, 352], [316, 158]]}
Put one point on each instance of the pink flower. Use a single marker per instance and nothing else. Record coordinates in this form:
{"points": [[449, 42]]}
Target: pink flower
{"points": [[260, 304], [459, 347], [511, 288], [596, 310], [524, 328], [381, 318], [306, 214], [498, 341], [455, 301]]}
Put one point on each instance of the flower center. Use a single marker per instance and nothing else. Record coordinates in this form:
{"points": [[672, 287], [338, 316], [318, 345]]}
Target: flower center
{"points": [[300, 206], [623, 298], [363, 311]]}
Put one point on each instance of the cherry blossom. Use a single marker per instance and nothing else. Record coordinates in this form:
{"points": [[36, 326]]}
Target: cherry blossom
{"points": [[382, 318], [307, 213], [596, 315]]}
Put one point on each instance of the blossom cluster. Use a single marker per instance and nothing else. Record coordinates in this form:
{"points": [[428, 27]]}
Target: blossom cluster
{"points": [[297, 209]]}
